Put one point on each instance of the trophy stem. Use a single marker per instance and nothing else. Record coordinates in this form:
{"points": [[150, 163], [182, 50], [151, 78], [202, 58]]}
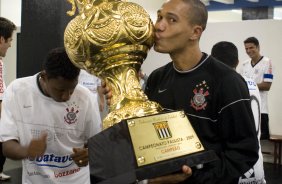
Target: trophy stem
{"points": [[128, 99]]}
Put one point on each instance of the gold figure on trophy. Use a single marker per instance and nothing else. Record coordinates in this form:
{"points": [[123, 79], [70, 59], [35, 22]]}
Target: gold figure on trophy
{"points": [[111, 39]]}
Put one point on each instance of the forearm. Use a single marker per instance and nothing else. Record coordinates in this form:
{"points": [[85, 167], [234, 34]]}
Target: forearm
{"points": [[264, 86], [13, 150], [240, 148], [101, 98], [100, 93], [237, 151], [224, 170]]}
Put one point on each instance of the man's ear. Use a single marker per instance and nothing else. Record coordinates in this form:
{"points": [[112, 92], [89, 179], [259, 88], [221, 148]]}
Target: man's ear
{"points": [[2, 39], [43, 75], [197, 32]]}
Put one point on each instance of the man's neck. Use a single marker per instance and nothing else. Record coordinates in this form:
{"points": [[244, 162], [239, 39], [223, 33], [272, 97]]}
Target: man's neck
{"points": [[40, 84], [256, 59], [187, 60]]}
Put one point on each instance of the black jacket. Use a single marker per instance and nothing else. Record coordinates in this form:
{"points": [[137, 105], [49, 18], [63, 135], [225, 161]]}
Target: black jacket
{"points": [[216, 101]]}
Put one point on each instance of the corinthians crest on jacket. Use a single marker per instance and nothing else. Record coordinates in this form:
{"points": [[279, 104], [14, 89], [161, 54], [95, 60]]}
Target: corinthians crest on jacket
{"points": [[201, 91]]}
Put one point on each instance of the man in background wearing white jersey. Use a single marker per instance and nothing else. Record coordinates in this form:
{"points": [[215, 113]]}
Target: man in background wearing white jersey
{"points": [[227, 53], [259, 68], [46, 121]]}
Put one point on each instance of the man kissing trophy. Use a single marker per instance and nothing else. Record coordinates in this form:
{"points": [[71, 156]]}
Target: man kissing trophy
{"points": [[111, 39]]}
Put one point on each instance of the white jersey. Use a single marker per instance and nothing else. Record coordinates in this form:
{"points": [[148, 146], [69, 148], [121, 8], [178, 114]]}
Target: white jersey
{"points": [[261, 72], [27, 113], [2, 82], [256, 173], [89, 81]]}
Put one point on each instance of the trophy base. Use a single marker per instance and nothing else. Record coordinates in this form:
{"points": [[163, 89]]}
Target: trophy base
{"points": [[112, 158], [173, 165], [156, 170]]}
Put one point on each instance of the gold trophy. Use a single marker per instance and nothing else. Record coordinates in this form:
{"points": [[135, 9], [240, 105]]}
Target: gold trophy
{"points": [[111, 39]]}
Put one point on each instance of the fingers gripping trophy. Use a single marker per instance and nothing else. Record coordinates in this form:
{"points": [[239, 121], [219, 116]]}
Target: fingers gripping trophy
{"points": [[110, 39]]}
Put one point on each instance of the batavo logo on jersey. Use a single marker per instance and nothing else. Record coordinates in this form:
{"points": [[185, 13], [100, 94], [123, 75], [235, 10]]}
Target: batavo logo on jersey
{"points": [[51, 160], [198, 102], [72, 111]]}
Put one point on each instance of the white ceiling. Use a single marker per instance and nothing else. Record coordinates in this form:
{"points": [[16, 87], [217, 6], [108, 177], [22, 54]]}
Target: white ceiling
{"points": [[214, 16]]}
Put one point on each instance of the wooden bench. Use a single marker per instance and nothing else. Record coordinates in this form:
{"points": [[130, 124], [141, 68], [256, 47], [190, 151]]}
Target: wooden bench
{"points": [[277, 140]]}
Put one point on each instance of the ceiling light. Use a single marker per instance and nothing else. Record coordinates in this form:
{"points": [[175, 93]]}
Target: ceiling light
{"points": [[225, 1]]}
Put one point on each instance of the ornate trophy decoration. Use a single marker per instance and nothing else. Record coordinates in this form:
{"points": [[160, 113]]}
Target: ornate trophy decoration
{"points": [[110, 39]]}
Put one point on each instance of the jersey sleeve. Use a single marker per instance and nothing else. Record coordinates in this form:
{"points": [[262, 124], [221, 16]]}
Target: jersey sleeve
{"points": [[268, 72]]}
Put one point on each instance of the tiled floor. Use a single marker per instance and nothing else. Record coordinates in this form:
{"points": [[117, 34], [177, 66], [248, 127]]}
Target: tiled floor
{"points": [[273, 174]]}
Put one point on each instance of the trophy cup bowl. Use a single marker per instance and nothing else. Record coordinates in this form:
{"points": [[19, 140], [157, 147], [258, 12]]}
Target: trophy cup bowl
{"points": [[111, 39]]}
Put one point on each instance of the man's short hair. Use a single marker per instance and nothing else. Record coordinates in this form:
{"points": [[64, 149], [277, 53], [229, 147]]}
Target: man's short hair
{"points": [[226, 52], [253, 40], [58, 64], [6, 28]]}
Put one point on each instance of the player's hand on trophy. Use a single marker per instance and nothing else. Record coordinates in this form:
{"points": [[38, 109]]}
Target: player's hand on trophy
{"points": [[37, 146], [80, 156], [107, 91], [173, 178]]}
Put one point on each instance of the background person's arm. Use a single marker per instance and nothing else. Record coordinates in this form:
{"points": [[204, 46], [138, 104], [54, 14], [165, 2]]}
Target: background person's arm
{"points": [[264, 86], [14, 150], [101, 98], [267, 77]]}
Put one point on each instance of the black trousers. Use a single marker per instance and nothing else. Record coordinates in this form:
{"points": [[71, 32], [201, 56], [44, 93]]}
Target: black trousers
{"points": [[264, 127], [2, 158]]}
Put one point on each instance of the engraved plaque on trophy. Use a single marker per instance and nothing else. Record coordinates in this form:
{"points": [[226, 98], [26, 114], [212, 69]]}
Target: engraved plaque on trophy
{"points": [[110, 39], [164, 142], [162, 137]]}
